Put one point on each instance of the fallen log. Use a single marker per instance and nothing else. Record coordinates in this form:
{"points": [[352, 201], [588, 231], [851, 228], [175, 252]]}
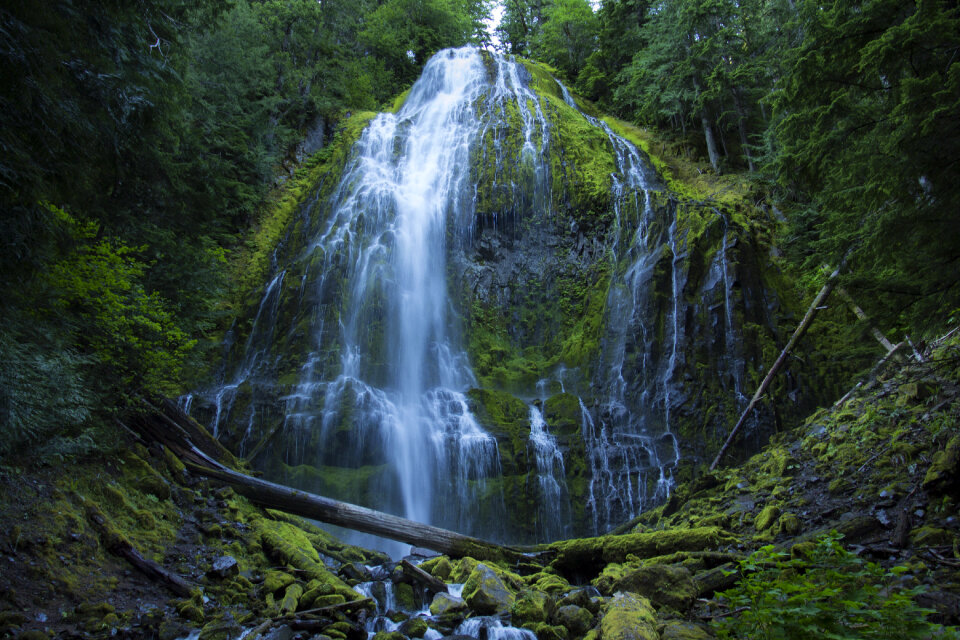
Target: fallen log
{"points": [[797, 334], [308, 505], [424, 578], [117, 544]]}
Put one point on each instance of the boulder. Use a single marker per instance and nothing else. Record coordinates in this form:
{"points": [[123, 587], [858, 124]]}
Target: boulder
{"points": [[531, 606], [629, 617], [444, 603], [574, 619], [485, 593], [682, 630], [663, 584], [943, 476]]}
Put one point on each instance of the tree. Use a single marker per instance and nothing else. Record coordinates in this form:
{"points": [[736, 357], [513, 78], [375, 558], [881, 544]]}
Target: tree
{"points": [[867, 130], [568, 35]]}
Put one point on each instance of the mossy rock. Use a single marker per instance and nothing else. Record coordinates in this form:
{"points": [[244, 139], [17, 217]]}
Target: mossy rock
{"points": [[389, 635], [438, 567], [576, 620], [274, 581], [629, 617], [789, 524], [531, 606], [930, 536], [446, 604], [683, 630], [549, 583], [662, 584], [414, 628], [225, 628], [943, 476], [485, 593], [291, 598], [766, 518]]}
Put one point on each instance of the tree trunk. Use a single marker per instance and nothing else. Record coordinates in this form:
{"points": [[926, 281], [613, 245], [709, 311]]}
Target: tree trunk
{"points": [[801, 329], [742, 128], [708, 133], [308, 505]]}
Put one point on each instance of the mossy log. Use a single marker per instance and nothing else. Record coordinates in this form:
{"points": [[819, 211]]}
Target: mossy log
{"points": [[308, 505], [424, 578], [118, 544]]}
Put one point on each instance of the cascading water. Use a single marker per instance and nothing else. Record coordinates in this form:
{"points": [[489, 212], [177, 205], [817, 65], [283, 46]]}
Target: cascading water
{"points": [[630, 447], [375, 401]]}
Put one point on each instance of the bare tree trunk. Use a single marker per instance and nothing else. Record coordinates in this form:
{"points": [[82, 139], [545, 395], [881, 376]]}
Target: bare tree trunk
{"points": [[708, 133], [797, 334], [308, 505]]}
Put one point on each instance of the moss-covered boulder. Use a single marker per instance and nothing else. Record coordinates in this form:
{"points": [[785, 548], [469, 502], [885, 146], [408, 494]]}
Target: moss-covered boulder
{"points": [[576, 620], [662, 584], [943, 476], [767, 517], [531, 606], [445, 604], [682, 630], [485, 593], [629, 617]]}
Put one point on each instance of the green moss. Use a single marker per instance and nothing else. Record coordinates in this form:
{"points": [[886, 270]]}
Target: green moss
{"points": [[589, 555], [531, 606], [767, 517], [254, 263], [629, 617]]}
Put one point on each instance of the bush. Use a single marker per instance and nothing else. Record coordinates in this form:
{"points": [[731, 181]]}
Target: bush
{"points": [[824, 592]]}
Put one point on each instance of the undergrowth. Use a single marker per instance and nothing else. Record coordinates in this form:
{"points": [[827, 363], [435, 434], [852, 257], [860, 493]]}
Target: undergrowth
{"points": [[822, 590]]}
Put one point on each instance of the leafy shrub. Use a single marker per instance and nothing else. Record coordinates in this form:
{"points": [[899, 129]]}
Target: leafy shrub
{"points": [[823, 592]]}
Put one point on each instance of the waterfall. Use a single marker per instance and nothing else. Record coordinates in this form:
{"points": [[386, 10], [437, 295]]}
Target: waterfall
{"points": [[370, 370]]}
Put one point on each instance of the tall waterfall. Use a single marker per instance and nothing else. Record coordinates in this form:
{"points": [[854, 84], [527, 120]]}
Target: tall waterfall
{"points": [[357, 353]]}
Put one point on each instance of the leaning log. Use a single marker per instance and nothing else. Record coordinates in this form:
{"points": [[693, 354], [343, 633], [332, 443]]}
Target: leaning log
{"points": [[416, 573], [309, 505], [797, 334], [118, 544]]}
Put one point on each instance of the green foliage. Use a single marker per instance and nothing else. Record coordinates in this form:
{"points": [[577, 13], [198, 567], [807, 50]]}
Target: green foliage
{"points": [[568, 36], [866, 128], [41, 390], [131, 334], [823, 592]]}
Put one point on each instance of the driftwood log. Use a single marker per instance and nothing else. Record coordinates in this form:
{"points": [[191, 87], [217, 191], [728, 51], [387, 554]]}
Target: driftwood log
{"points": [[119, 545]]}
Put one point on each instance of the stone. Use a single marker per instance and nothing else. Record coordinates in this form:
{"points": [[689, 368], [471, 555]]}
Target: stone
{"points": [[444, 603], [662, 584], [682, 630], [629, 617], [291, 598], [283, 632], [485, 593], [355, 571], [224, 567], [414, 628], [767, 517], [576, 620], [943, 476], [273, 581], [587, 597], [789, 524], [531, 606]]}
